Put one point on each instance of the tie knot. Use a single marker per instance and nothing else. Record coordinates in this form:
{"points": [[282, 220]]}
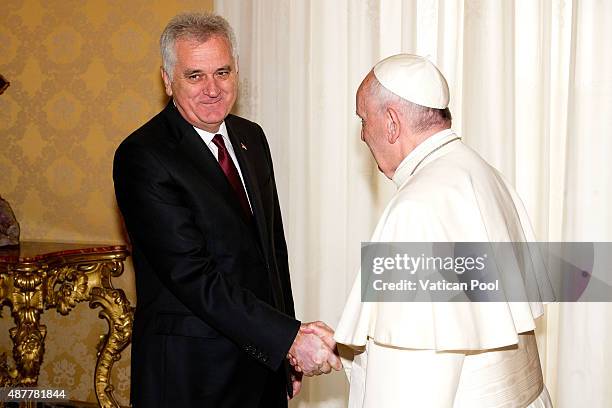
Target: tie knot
{"points": [[218, 141]]}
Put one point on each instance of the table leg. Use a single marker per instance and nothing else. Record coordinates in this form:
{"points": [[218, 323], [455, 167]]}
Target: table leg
{"points": [[92, 281], [119, 315], [29, 335]]}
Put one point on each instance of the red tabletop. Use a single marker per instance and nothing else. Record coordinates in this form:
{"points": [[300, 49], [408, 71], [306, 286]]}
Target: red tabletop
{"points": [[32, 251]]}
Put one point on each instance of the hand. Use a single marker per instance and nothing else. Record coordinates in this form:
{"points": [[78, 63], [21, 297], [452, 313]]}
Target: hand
{"points": [[324, 332], [312, 355], [304, 328]]}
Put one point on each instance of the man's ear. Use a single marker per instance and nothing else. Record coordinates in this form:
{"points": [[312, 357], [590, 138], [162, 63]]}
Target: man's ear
{"points": [[167, 82], [393, 125]]}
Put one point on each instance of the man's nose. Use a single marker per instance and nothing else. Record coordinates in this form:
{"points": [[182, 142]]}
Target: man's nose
{"points": [[210, 87]]}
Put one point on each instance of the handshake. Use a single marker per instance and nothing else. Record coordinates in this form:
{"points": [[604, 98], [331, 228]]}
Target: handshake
{"points": [[314, 351]]}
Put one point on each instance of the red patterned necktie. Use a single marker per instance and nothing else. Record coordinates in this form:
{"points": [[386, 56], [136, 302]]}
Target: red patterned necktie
{"points": [[227, 164]]}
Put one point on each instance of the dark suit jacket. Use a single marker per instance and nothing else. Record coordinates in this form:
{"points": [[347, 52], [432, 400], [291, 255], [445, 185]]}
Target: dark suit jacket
{"points": [[214, 317]]}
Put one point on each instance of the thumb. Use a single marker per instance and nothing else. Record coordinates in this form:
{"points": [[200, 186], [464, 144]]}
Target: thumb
{"points": [[326, 335]]}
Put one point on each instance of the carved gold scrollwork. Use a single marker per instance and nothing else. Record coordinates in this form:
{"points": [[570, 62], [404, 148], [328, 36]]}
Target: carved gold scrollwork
{"points": [[61, 283], [28, 351], [119, 316], [28, 335], [67, 285], [71, 284], [8, 375]]}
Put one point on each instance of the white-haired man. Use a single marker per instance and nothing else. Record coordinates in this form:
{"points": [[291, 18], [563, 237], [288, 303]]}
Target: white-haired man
{"points": [[214, 320], [436, 354]]}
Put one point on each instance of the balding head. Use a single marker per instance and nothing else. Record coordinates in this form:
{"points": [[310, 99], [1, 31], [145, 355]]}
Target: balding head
{"points": [[417, 87], [393, 126], [420, 119]]}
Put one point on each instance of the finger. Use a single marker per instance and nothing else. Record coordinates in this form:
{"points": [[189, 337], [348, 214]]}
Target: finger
{"points": [[311, 373], [321, 331], [307, 330], [297, 387], [335, 362], [326, 335], [329, 342], [325, 368]]}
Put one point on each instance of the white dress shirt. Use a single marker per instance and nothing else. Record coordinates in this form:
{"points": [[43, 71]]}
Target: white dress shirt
{"points": [[207, 137]]}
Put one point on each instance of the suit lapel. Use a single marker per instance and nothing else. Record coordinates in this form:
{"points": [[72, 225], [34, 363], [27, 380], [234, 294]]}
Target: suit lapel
{"points": [[249, 173], [201, 158], [240, 145]]}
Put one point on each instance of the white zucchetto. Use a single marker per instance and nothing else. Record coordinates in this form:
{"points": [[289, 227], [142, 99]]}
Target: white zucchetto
{"points": [[413, 78]]}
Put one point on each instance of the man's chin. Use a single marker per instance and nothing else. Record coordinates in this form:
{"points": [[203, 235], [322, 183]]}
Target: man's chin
{"points": [[211, 120], [212, 117]]}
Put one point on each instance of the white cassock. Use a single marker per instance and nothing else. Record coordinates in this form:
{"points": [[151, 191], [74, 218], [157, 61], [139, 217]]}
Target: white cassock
{"points": [[444, 354]]}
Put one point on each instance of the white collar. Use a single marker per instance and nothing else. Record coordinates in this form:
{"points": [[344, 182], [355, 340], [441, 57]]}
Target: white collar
{"points": [[208, 137], [417, 157]]}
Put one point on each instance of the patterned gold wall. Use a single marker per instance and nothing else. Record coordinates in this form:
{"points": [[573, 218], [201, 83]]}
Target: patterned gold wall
{"points": [[84, 74]]}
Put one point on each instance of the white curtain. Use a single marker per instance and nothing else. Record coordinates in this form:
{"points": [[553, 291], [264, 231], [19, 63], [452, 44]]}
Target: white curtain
{"points": [[531, 90]]}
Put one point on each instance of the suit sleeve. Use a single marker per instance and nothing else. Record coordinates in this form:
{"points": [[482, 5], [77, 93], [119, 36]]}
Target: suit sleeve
{"points": [[163, 228]]}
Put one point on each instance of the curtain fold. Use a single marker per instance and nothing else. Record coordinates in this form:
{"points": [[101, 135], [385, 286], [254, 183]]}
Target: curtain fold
{"points": [[585, 329], [531, 91]]}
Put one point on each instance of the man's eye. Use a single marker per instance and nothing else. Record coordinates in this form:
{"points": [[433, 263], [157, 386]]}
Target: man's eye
{"points": [[223, 74], [194, 77]]}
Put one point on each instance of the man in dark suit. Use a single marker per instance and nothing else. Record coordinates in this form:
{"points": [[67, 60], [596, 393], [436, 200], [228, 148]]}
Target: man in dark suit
{"points": [[214, 319]]}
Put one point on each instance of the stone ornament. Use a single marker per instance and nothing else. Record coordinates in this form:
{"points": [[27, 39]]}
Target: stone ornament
{"points": [[3, 84], [9, 227]]}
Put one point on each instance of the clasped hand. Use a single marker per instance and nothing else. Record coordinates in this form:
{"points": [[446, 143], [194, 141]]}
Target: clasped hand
{"points": [[314, 351]]}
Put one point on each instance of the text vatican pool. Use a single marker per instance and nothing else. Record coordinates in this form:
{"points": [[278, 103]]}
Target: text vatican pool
{"points": [[439, 285]]}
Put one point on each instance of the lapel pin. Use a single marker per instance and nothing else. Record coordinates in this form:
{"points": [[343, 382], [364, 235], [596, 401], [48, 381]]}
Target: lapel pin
{"points": [[243, 146]]}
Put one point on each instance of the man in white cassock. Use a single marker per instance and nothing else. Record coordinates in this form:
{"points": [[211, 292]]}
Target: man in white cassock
{"points": [[436, 354]]}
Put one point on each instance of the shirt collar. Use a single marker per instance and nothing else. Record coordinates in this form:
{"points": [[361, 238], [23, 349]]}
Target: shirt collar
{"points": [[416, 158], [208, 137]]}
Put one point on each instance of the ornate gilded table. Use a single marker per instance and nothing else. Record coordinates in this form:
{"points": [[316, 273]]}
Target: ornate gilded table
{"points": [[41, 275]]}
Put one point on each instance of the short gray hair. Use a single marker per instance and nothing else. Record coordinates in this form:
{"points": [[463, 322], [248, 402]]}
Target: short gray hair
{"points": [[422, 118], [193, 26]]}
